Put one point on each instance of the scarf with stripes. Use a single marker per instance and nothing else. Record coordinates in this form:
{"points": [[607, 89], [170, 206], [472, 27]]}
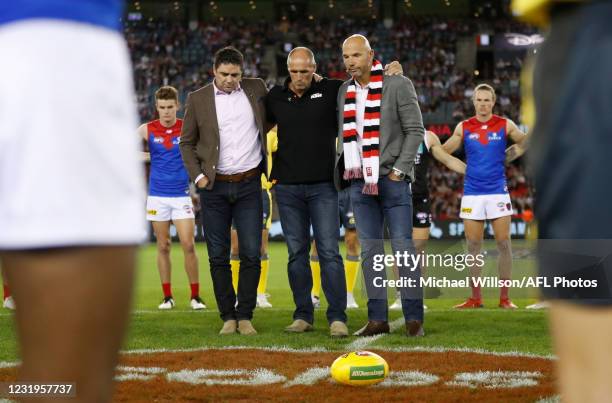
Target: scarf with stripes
{"points": [[365, 164]]}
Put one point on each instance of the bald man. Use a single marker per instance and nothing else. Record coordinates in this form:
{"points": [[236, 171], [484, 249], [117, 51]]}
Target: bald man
{"points": [[379, 134], [302, 168]]}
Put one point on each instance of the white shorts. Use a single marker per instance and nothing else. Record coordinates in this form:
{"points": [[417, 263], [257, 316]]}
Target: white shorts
{"points": [[485, 207], [169, 208], [70, 173]]}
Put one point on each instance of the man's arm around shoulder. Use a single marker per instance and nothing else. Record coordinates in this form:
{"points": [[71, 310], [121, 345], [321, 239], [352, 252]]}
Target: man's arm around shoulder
{"points": [[411, 122]]}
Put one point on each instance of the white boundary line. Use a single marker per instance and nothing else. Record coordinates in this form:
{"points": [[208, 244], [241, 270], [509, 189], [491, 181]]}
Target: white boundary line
{"points": [[315, 349], [362, 342]]}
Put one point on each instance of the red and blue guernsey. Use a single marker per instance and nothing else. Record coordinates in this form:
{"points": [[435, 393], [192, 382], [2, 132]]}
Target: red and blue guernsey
{"points": [[485, 150], [103, 13], [168, 177]]}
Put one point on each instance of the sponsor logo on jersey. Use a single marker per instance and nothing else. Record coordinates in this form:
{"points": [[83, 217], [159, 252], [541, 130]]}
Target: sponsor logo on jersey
{"points": [[316, 95], [158, 140], [169, 131], [473, 136], [466, 210], [152, 212], [494, 136], [177, 140]]}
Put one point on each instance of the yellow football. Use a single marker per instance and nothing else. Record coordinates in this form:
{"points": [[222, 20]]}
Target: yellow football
{"points": [[359, 368]]}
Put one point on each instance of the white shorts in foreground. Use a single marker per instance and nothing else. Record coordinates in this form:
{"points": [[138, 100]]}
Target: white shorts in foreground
{"points": [[485, 207], [169, 208], [69, 166]]}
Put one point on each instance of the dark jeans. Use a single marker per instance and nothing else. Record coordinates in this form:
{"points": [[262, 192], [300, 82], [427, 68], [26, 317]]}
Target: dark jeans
{"points": [[241, 202], [299, 206], [393, 204]]}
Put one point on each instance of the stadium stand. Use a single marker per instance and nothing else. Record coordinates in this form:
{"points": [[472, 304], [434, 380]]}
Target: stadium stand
{"points": [[170, 53]]}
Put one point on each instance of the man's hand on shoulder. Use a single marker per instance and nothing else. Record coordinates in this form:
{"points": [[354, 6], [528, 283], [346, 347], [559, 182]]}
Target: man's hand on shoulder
{"points": [[394, 69]]}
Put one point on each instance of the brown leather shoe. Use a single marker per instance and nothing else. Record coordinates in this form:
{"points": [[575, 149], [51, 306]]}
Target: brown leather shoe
{"points": [[373, 327], [414, 328]]}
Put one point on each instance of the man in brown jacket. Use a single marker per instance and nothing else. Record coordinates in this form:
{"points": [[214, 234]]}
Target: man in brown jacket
{"points": [[223, 148]]}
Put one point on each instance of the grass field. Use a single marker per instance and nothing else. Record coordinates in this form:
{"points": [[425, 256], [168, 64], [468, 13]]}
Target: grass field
{"points": [[490, 328]]}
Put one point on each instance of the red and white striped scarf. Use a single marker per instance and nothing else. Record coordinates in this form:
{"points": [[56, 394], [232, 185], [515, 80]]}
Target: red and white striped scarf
{"points": [[353, 166]]}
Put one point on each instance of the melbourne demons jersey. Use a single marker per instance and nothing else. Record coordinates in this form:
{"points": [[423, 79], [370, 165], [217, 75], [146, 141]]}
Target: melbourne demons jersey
{"points": [[168, 177], [104, 13], [420, 186], [485, 150]]}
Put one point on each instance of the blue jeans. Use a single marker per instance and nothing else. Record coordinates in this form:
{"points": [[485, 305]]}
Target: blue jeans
{"points": [[240, 201], [393, 204], [299, 205]]}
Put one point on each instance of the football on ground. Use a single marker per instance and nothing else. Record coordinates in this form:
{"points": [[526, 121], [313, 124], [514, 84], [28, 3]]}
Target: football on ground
{"points": [[359, 368]]}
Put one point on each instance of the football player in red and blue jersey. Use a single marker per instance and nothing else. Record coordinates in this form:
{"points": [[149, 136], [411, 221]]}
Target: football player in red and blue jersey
{"points": [[169, 199], [485, 192]]}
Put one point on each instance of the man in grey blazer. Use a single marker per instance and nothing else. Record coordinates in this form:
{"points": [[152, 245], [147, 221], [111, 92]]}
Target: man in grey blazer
{"points": [[380, 130], [223, 149]]}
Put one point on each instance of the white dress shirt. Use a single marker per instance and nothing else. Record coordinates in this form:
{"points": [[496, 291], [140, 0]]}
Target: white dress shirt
{"points": [[361, 95], [239, 148], [239, 145]]}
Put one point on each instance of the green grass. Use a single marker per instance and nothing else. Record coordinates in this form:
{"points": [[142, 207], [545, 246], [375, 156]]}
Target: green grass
{"points": [[490, 329]]}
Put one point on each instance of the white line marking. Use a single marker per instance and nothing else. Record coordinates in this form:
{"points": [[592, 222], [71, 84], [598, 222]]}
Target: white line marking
{"points": [[495, 379], [309, 377], [317, 349], [440, 349], [550, 399], [133, 377], [281, 349], [409, 378], [259, 376], [144, 370], [4, 364], [362, 342]]}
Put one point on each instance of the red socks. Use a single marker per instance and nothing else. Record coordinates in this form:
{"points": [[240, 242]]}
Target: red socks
{"points": [[476, 294], [167, 290], [503, 292], [7, 291], [195, 290]]}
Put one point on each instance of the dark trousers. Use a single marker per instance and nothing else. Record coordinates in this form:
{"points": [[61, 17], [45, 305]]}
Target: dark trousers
{"points": [[393, 204], [240, 201], [299, 206]]}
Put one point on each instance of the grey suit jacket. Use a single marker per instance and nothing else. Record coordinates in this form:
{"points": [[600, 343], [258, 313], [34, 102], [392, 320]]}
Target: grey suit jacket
{"points": [[200, 134], [401, 128]]}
